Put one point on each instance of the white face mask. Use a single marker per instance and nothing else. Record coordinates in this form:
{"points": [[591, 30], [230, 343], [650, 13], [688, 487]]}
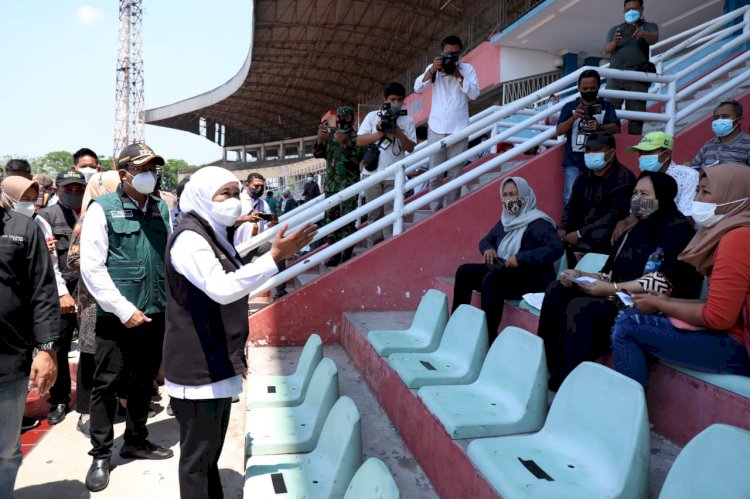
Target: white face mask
{"points": [[25, 208], [705, 214], [87, 172], [226, 213], [144, 182]]}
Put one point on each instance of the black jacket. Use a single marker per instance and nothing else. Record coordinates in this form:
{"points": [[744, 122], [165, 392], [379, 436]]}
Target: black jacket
{"points": [[29, 306]]}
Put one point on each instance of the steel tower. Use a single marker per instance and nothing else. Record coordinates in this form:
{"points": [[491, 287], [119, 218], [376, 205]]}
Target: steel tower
{"points": [[129, 107]]}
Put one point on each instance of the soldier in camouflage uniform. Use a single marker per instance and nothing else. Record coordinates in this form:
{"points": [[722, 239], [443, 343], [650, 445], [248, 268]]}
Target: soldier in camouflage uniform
{"points": [[342, 156]]}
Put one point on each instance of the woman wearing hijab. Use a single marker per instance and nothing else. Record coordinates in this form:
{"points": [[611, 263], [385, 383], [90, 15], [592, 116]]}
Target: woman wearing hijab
{"points": [[576, 318], [519, 255], [20, 195], [100, 183], [711, 335], [206, 320]]}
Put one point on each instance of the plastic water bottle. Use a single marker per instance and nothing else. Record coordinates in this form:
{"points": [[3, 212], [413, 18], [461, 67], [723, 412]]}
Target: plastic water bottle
{"points": [[653, 264]]}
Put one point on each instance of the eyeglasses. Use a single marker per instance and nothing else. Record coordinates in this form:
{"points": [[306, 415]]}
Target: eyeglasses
{"points": [[136, 170]]}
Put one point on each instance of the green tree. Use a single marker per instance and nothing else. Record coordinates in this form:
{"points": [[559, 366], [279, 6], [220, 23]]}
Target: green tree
{"points": [[52, 163], [169, 173]]}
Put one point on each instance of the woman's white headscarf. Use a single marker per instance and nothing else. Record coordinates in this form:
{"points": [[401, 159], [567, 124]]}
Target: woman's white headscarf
{"points": [[198, 195], [515, 225]]}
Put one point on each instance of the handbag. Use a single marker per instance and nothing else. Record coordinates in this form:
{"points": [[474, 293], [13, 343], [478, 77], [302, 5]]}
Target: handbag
{"points": [[371, 157]]}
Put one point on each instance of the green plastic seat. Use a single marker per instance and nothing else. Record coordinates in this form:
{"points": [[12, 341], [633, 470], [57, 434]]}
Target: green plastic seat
{"points": [[287, 430], [458, 358], [425, 331], [282, 391], [373, 480], [714, 463], [510, 395], [323, 473], [594, 444]]}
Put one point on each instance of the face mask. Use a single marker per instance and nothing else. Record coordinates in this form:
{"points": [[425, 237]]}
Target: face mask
{"points": [[512, 206], [144, 182], [344, 124], [705, 214], [642, 207], [71, 200], [309, 179], [649, 163], [722, 127], [594, 160], [632, 16], [589, 96], [87, 172], [396, 107], [257, 192], [25, 208], [226, 213]]}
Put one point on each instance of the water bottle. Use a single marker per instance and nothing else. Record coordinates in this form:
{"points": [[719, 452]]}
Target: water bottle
{"points": [[653, 264]]}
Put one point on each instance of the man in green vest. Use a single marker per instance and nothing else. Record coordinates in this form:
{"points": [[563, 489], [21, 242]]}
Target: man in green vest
{"points": [[123, 239]]}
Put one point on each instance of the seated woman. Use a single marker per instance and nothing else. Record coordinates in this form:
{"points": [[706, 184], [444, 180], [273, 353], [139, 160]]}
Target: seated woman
{"points": [[519, 253], [711, 335], [576, 319]]}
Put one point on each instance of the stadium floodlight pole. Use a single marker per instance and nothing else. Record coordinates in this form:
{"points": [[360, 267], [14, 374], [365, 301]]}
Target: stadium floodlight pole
{"points": [[129, 105]]}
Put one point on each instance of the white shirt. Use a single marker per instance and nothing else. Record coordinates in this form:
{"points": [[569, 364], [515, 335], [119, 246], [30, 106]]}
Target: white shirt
{"points": [[687, 182], [450, 101], [62, 288], [245, 231], [393, 152], [192, 256], [94, 253]]}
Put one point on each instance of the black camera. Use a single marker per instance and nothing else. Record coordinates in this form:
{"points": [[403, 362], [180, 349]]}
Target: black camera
{"points": [[450, 61], [388, 118], [592, 110]]}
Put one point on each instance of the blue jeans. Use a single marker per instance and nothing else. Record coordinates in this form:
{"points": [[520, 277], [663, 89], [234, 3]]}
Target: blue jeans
{"points": [[12, 405], [571, 174], [636, 335]]}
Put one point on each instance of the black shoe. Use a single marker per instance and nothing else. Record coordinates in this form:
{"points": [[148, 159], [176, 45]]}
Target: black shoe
{"points": [[84, 428], [97, 477], [28, 423], [57, 414], [146, 451]]}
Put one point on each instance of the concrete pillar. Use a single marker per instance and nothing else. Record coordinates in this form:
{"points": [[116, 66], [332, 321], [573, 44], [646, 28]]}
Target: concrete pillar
{"points": [[570, 63], [282, 150], [244, 154], [301, 149], [262, 152], [592, 61], [224, 154]]}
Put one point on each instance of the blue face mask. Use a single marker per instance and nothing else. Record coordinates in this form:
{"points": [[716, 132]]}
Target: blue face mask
{"points": [[632, 16], [722, 127], [594, 160], [649, 163]]}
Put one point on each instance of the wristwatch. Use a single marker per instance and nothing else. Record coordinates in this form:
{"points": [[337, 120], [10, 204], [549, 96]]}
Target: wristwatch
{"points": [[49, 346]]}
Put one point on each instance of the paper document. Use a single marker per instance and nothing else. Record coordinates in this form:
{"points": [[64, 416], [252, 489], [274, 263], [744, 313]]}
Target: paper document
{"points": [[534, 299], [584, 280]]}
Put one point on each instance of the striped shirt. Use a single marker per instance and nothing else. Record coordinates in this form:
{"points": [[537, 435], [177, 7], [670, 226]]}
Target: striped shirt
{"points": [[714, 152]]}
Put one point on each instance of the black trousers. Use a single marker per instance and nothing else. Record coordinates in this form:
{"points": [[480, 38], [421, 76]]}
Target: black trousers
{"points": [[60, 391], [496, 285], [134, 353], [203, 427], [575, 327], [84, 382]]}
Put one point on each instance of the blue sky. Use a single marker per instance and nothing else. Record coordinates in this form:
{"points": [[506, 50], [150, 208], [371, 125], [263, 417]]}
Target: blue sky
{"points": [[57, 84]]}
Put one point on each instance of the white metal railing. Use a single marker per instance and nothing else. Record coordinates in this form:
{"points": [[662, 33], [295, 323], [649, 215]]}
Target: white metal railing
{"points": [[490, 119]]}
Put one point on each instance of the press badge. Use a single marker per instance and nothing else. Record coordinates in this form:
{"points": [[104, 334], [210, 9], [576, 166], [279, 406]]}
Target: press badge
{"points": [[385, 143]]}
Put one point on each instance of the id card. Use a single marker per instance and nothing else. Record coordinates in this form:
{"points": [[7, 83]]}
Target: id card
{"points": [[385, 143]]}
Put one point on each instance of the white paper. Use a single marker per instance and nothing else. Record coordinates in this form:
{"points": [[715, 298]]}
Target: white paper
{"points": [[583, 280], [534, 299]]}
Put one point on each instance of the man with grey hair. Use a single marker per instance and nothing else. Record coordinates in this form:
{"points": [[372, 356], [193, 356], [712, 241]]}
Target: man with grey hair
{"points": [[289, 203]]}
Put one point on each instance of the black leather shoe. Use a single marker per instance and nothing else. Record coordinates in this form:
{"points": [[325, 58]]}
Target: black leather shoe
{"points": [[97, 477], [146, 451], [84, 427], [57, 414]]}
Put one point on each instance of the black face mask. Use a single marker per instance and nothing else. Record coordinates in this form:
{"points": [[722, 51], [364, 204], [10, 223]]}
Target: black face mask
{"points": [[257, 192], [589, 96], [71, 199], [343, 124]]}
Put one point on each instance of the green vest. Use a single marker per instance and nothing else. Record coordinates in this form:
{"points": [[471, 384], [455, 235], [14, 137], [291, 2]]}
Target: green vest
{"points": [[135, 261]]}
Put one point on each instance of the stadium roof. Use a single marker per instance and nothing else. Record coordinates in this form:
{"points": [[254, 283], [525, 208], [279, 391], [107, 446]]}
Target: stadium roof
{"points": [[309, 56]]}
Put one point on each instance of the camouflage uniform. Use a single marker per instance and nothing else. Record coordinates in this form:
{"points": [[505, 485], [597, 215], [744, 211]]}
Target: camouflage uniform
{"points": [[342, 170]]}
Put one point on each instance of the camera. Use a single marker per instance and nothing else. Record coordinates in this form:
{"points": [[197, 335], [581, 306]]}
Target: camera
{"points": [[450, 61], [592, 110], [388, 118]]}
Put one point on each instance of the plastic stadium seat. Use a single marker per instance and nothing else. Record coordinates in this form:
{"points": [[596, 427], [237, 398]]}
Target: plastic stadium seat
{"points": [[510, 395], [458, 359], [373, 480], [425, 331], [321, 474], [595, 443], [286, 430], [278, 391], [714, 463]]}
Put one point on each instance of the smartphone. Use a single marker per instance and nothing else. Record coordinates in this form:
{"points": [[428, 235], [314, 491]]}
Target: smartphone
{"points": [[266, 216]]}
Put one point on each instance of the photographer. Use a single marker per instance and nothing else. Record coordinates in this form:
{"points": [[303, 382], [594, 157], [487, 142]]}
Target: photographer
{"points": [[454, 85], [579, 118], [628, 47], [392, 134]]}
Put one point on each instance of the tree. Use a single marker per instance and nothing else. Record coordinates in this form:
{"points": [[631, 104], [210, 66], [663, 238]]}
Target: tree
{"points": [[169, 173], [52, 163]]}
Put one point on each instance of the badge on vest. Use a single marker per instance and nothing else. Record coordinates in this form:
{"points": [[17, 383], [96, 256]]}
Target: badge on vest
{"points": [[122, 214]]}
